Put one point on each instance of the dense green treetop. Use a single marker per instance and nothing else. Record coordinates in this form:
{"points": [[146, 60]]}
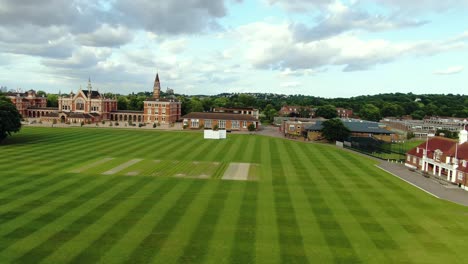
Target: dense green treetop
{"points": [[10, 119], [335, 130]]}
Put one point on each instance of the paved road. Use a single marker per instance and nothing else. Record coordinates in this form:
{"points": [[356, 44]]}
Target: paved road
{"points": [[438, 188]]}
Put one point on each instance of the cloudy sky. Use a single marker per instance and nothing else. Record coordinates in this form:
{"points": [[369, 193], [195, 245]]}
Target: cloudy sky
{"points": [[328, 48]]}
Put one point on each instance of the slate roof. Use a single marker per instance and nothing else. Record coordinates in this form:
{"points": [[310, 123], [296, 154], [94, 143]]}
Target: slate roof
{"points": [[94, 94], [219, 116], [354, 127]]}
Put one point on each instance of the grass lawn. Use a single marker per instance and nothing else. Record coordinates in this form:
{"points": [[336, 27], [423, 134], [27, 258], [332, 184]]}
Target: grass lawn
{"points": [[85, 195]]}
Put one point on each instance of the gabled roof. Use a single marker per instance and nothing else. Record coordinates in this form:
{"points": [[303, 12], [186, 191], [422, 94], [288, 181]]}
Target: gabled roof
{"points": [[448, 146], [94, 94], [220, 116]]}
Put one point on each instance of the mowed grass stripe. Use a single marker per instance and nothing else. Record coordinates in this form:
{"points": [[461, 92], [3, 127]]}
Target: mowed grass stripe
{"points": [[337, 239], [96, 228], [42, 243], [30, 193], [33, 221], [201, 148], [243, 248], [197, 247], [155, 240], [308, 199], [15, 211], [115, 232], [291, 245], [376, 232], [134, 237], [267, 244], [412, 224], [180, 235]]}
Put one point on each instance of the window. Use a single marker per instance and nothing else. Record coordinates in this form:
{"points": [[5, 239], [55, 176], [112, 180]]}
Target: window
{"points": [[163, 110], [408, 158], [208, 123], [414, 160], [235, 124], [420, 162], [291, 127], [437, 154], [460, 175], [222, 123], [79, 104], [185, 122], [244, 124], [149, 111], [195, 123], [464, 163]]}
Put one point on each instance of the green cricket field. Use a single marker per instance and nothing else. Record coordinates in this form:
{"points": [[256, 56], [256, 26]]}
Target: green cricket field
{"points": [[86, 195]]}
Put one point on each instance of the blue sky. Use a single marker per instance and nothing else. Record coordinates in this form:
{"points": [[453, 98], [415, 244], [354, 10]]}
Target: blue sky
{"points": [[326, 48]]}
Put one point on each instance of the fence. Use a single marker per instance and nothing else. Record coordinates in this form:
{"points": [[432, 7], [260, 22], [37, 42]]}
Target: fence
{"points": [[377, 148]]}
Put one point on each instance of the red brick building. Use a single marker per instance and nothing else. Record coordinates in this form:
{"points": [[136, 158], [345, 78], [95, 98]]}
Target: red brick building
{"points": [[85, 106], [442, 157], [227, 121], [161, 110], [27, 100]]}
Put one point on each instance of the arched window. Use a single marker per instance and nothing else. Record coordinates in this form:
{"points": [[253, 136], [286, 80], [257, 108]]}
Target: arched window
{"points": [[80, 104]]}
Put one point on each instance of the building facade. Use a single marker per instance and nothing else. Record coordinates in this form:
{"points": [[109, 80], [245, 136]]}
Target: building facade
{"points": [[161, 110], [90, 106], [26, 101], [442, 157], [85, 106], [224, 121]]}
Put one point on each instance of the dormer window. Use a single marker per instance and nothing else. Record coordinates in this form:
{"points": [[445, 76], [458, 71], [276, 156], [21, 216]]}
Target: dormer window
{"points": [[437, 154]]}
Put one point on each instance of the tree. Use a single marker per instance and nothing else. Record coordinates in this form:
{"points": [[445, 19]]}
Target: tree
{"points": [[335, 130], [326, 111], [195, 105], [52, 100], [392, 109], [370, 112], [10, 118]]}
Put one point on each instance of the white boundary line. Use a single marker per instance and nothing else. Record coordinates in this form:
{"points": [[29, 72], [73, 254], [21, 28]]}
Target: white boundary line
{"points": [[408, 182]]}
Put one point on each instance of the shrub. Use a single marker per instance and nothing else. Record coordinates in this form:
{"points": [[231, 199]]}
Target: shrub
{"points": [[251, 127], [103, 122], [116, 123], [82, 123], [185, 126], [54, 121], [154, 125], [110, 124], [215, 127]]}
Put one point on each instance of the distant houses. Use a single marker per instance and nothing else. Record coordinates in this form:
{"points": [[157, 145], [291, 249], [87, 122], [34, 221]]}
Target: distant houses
{"points": [[311, 129], [442, 157]]}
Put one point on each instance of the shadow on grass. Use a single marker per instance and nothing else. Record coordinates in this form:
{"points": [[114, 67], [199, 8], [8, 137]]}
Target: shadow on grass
{"points": [[21, 139]]}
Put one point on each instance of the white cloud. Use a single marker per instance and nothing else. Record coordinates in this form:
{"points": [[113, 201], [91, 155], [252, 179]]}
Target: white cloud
{"points": [[272, 46], [106, 36], [174, 46], [450, 70]]}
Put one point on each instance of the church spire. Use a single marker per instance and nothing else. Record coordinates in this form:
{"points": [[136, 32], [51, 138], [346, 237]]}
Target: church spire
{"points": [[156, 87]]}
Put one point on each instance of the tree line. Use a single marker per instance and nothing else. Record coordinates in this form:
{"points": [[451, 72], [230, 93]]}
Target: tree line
{"points": [[369, 107]]}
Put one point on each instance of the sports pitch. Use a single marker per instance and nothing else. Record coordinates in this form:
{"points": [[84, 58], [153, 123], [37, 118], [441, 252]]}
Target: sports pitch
{"points": [[84, 195]]}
